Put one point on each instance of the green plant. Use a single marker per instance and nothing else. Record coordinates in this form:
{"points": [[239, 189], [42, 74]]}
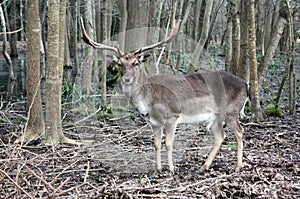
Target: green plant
{"points": [[69, 91], [273, 110], [231, 145], [104, 113]]}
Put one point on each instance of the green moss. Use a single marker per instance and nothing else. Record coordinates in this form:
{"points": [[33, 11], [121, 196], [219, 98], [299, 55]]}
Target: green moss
{"points": [[273, 110]]}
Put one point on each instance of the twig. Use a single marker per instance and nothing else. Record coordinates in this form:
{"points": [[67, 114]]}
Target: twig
{"points": [[16, 184], [99, 109], [11, 32], [87, 172]]}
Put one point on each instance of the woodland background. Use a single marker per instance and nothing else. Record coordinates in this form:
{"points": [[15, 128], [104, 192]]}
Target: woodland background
{"points": [[56, 89]]}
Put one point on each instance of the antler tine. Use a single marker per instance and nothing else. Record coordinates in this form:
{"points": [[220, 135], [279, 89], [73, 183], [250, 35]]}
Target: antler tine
{"points": [[91, 42], [164, 41]]}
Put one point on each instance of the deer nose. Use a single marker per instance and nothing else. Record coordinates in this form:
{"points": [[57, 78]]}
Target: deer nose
{"points": [[126, 79]]}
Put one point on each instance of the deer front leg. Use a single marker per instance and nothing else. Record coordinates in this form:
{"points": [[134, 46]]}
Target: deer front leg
{"points": [[238, 131], [219, 134], [157, 131], [170, 129]]}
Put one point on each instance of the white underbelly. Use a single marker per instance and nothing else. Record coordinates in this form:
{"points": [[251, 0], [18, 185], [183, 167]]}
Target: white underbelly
{"points": [[200, 118]]}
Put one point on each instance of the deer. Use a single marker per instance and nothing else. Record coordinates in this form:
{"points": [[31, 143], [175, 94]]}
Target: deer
{"points": [[213, 98]]}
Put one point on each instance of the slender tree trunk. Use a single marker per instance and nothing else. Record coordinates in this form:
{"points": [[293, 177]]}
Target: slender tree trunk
{"points": [[203, 37], [35, 127], [5, 53], [254, 89], [104, 63], [235, 37], [13, 25], [89, 58], [123, 25], [277, 33], [243, 71], [74, 36], [291, 55], [228, 37], [53, 126]]}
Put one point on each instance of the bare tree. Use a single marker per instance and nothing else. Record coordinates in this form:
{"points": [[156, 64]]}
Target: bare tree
{"points": [[235, 37], [89, 57], [204, 35], [243, 70], [35, 127], [53, 123], [254, 88], [277, 33], [5, 53]]}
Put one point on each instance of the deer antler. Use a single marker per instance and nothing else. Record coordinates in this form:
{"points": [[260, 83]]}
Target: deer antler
{"points": [[89, 41], [164, 41]]}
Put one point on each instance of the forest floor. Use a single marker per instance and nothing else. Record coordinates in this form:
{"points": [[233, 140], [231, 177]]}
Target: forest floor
{"points": [[117, 159], [118, 162]]}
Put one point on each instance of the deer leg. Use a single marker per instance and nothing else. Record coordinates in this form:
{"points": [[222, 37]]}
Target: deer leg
{"points": [[170, 129], [238, 132], [219, 134], [157, 131]]}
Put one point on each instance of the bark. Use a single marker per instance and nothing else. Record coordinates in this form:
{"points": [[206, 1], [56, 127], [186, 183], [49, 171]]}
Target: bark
{"points": [[89, 58], [35, 125], [4, 38], [124, 14], [74, 35], [235, 37], [243, 70], [197, 9], [203, 37], [105, 28], [67, 58], [228, 47], [291, 55], [137, 18], [267, 58], [53, 82], [254, 89], [13, 26]]}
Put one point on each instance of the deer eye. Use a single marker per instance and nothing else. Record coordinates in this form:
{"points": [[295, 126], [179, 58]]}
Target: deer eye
{"points": [[136, 63]]}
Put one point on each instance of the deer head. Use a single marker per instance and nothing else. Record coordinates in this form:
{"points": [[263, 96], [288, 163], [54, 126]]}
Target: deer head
{"points": [[129, 62]]}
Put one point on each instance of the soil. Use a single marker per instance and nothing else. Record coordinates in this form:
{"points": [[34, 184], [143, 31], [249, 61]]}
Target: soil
{"points": [[117, 161]]}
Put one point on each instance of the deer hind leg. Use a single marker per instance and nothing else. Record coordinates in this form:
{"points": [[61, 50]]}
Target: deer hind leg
{"points": [[157, 131], [238, 132], [219, 134], [170, 128]]}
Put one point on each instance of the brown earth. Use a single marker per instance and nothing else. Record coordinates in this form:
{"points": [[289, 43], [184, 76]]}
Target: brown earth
{"points": [[118, 163]]}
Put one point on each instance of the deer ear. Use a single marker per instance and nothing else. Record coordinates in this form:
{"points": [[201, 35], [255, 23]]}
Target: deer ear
{"points": [[143, 58], [114, 59]]}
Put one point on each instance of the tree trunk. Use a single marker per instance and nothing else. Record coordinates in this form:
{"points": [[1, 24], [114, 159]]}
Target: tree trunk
{"points": [[235, 37], [228, 37], [13, 26], [137, 18], [203, 37], [291, 55], [53, 76], [89, 58], [105, 28], [5, 53], [74, 35], [124, 14], [243, 70], [254, 89], [35, 127], [277, 33]]}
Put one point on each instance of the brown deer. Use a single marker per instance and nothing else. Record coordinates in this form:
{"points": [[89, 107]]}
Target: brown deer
{"points": [[213, 98]]}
